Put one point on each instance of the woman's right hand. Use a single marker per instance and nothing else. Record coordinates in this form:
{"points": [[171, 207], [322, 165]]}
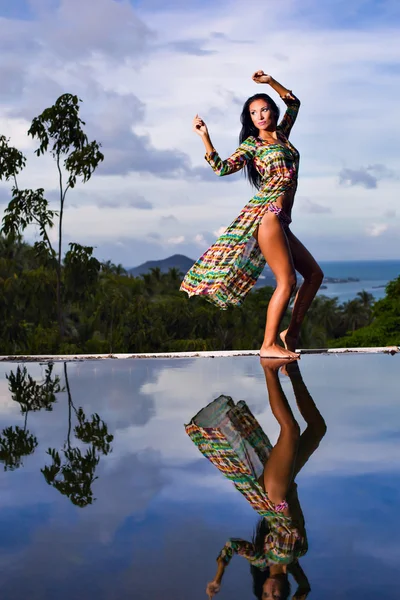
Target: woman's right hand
{"points": [[212, 588], [199, 126], [261, 77]]}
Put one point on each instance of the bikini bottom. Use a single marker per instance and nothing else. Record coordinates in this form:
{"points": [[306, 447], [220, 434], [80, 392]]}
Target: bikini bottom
{"points": [[284, 219]]}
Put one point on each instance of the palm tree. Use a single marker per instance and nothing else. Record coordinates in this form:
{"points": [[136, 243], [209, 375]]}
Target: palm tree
{"points": [[324, 313], [354, 315], [367, 301], [366, 298]]}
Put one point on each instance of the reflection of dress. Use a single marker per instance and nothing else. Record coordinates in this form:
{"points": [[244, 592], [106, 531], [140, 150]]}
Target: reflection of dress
{"points": [[226, 272], [233, 440]]}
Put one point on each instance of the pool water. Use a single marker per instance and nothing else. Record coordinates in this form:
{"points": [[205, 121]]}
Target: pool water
{"points": [[104, 496]]}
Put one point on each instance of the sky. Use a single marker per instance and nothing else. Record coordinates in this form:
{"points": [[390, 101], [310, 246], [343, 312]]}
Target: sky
{"points": [[143, 69]]}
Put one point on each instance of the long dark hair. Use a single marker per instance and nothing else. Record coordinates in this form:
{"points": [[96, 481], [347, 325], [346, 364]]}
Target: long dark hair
{"points": [[260, 577], [248, 129]]}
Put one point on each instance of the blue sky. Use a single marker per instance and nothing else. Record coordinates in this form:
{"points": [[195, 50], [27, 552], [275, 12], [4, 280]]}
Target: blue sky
{"points": [[143, 69]]}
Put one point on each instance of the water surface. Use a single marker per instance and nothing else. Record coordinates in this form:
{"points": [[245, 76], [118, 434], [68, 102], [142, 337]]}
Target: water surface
{"points": [[141, 514]]}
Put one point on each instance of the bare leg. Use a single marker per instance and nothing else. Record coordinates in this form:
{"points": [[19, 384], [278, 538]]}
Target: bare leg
{"points": [[279, 468], [275, 248], [309, 269]]}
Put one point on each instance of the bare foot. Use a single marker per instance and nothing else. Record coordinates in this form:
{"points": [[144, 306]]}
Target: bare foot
{"points": [[275, 351], [288, 341]]}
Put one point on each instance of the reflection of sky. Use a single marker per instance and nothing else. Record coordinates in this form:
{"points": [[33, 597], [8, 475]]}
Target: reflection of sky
{"points": [[163, 512]]}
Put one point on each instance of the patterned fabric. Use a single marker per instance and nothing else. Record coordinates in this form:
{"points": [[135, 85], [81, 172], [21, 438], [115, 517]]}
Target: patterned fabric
{"points": [[280, 547], [227, 271], [232, 439]]}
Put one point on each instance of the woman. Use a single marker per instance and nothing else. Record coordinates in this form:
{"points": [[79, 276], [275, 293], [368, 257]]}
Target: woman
{"points": [[232, 439], [226, 272]]}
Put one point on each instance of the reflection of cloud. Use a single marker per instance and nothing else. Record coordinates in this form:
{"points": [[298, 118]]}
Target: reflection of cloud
{"points": [[198, 541], [7, 405], [87, 535], [126, 487]]}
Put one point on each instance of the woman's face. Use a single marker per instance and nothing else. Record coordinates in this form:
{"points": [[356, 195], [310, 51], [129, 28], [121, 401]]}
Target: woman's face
{"points": [[273, 588], [261, 115]]}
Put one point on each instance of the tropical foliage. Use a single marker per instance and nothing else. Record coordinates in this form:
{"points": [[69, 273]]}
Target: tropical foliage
{"points": [[106, 310], [384, 325]]}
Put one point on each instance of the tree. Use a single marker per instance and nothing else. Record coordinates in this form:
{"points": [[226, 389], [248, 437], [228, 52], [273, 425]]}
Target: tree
{"points": [[58, 130], [353, 314], [81, 272], [384, 326], [366, 299]]}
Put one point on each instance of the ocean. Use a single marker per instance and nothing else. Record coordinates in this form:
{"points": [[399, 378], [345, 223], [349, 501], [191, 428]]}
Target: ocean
{"points": [[372, 275]]}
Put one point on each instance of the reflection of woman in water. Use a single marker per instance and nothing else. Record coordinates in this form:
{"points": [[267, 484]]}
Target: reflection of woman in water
{"points": [[231, 438]]}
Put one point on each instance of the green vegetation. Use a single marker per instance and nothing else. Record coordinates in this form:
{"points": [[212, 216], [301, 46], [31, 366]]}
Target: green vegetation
{"points": [[106, 310], [51, 304], [384, 325]]}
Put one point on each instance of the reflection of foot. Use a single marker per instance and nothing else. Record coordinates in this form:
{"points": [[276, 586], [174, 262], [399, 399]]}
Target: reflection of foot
{"points": [[289, 341], [275, 351], [291, 369], [274, 364]]}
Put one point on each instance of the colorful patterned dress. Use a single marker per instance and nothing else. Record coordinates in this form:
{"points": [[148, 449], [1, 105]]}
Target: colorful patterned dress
{"points": [[232, 439], [227, 271]]}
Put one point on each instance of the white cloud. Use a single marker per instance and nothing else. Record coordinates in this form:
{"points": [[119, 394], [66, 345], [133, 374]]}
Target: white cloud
{"points": [[376, 229], [219, 231], [199, 239], [309, 206], [176, 240]]}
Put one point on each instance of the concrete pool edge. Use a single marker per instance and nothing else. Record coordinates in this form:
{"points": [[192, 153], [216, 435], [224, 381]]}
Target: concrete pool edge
{"points": [[208, 354]]}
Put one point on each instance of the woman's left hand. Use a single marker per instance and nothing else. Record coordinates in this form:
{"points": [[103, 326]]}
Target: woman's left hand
{"points": [[261, 77]]}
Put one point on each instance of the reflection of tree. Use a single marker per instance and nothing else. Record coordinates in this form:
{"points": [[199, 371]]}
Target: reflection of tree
{"points": [[72, 473], [32, 396], [14, 444]]}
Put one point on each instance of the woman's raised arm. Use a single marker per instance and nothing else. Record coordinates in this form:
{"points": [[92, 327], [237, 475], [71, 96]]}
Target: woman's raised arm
{"points": [[292, 103], [222, 167]]}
